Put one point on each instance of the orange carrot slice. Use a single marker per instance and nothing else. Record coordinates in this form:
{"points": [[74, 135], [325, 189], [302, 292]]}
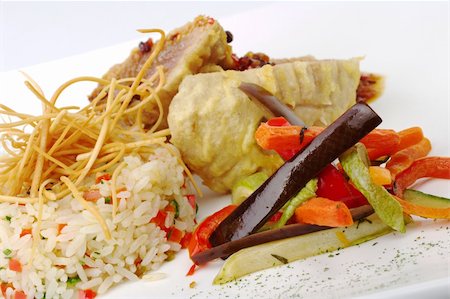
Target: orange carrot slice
{"points": [[422, 211], [405, 157], [325, 212], [284, 137], [409, 137], [380, 142]]}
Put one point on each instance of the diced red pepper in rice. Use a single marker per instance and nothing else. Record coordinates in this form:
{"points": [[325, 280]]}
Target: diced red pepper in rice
{"points": [[61, 226], [185, 240], [15, 265], [103, 177], [86, 294], [191, 200], [25, 231], [160, 219], [92, 195], [174, 235], [4, 287], [20, 295]]}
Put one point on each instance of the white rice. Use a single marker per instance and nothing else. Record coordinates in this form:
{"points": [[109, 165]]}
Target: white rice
{"points": [[80, 249]]}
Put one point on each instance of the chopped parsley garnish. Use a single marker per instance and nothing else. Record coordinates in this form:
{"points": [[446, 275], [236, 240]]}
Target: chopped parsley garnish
{"points": [[107, 199], [8, 218], [177, 208], [72, 281], [7, 251]]}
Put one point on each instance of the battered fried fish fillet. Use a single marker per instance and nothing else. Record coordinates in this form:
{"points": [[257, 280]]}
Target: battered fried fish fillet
{"points": [[213, 122], [199, 46]]}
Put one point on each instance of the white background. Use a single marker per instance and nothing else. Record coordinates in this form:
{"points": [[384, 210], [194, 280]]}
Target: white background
{"points": [[406, 42], [36, 32]]}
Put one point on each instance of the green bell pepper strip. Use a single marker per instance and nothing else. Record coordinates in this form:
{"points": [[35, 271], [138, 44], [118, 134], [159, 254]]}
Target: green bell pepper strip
{"points": [[355, 165], [306, 193]]}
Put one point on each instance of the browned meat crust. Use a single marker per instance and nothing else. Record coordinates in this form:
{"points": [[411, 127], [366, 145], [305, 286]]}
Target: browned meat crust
{"points": [[199, 46]]}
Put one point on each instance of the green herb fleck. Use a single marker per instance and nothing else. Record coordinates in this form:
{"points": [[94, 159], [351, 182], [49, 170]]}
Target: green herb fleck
{"points": [[280, 258], [7, 251], [170, 255], [72, 281], [8, 218], [177, 208], [107, 199]]}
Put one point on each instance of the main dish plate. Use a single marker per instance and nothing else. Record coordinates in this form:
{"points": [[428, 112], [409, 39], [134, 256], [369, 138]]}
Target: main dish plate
{"points": [[410, 52]]}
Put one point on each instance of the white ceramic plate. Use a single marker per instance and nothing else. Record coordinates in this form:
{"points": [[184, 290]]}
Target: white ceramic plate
{"points": [[408, 43]]}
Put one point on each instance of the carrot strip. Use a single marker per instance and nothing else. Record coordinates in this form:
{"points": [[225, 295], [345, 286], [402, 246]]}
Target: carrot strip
{"points": [[422, 211], [325, 212], [405, 157], [409, 137], [284, 137], [381, 142], [435, 167]]}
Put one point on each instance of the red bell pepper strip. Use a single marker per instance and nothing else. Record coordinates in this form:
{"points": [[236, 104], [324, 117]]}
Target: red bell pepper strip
{"points": [[434, 167], [405, 157], [200, 237], [199, 240], [333, 185]]}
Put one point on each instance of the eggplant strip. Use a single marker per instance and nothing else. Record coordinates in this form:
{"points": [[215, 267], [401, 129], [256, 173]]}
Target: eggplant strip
{"points": [[271, 102], [285, 232], [290, 178]]}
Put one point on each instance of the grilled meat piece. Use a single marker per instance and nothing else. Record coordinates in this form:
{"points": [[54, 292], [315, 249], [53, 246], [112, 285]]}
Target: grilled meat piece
{"points": [[213, 122], [199, 46]]}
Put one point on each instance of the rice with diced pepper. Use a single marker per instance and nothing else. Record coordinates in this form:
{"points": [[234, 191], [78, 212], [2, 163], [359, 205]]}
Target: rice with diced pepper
{"points": [[153, 216]]}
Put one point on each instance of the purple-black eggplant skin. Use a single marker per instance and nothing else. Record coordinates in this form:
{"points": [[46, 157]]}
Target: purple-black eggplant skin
{"points": [[292, 230], [293, 175]]}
